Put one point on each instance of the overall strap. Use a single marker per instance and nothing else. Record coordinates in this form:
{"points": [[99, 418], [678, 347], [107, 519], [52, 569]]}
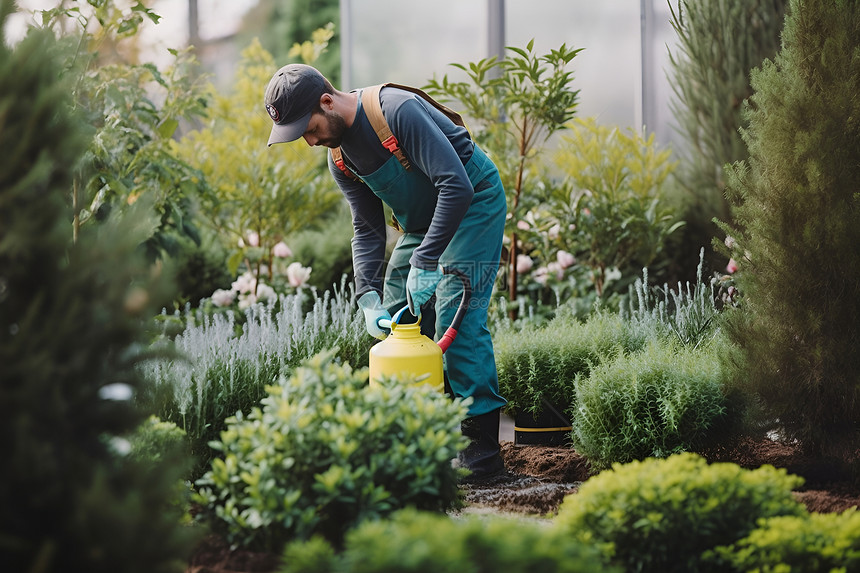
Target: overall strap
{"points": [[450, 113], [337, 157], [373, 109]]}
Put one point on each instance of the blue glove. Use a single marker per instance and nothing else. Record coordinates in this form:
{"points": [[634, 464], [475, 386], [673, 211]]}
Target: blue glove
{"points": [[373, 311], [420, 286]]}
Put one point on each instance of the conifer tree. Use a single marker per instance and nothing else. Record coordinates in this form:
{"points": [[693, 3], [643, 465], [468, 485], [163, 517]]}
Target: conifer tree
{"points": [[797, 235], [70, 316]]}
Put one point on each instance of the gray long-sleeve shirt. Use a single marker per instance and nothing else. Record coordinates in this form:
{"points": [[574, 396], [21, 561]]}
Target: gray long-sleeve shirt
{"points": [[436, 147]]}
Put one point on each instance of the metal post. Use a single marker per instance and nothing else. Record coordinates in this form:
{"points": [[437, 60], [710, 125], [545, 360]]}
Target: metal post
{"points": [[647, 120], [639, 114], [346, 45], [496, 31], [193, 25]]}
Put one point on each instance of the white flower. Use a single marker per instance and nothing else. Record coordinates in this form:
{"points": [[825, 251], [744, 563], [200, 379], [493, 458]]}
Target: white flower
{"points": [[222, 297], [245, 283], [730, 241], [524, 264], [565, 259], [245, 301], [554, 231], [253, 239], [116, 391], [265, 292], [298, 275], [120, 446], [281, 250], [541, 275], [556, 268]]}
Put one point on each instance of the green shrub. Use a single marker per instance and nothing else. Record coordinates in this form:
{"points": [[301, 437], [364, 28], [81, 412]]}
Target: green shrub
{"points": [[415, 542], [815, 542], [661, 515], [326, 451], [541, 363], [156, 441], [663, 400], [200, 269], [217, 373]]}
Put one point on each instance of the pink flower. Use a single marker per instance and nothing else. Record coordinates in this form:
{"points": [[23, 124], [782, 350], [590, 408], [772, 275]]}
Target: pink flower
{"points": [[524, 264], [541, 275], [522, 226], [298, 275], [281, 250], [565, 259], [254, 239], [732, 266]]}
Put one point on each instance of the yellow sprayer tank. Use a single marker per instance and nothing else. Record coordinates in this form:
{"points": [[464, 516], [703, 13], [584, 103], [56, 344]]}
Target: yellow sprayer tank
{"points": [[406, 353]]}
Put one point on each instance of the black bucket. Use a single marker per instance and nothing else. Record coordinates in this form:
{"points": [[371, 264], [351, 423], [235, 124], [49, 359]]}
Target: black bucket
{"points": [[549, 427]]}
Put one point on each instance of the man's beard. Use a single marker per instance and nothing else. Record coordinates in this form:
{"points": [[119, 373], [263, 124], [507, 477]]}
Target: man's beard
{"points": [[336, 127]]}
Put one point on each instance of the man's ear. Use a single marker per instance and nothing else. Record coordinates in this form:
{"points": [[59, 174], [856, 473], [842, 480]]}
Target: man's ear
{"points": [[327, 101]]}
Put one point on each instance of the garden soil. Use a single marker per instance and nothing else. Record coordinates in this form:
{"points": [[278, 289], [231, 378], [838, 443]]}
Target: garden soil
{"points": [[540, 477]]}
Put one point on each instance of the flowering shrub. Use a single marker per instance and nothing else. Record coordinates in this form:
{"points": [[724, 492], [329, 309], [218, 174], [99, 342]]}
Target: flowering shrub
{"points": [[608, 219], [258, 197], [249, 288]]}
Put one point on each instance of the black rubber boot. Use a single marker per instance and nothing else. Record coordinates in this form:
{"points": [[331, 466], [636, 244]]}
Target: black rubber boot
{"points": [[481, 457]]}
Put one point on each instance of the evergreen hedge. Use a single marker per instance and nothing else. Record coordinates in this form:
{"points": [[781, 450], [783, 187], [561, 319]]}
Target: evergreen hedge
{"points": [[797, 208], [70, 327]]}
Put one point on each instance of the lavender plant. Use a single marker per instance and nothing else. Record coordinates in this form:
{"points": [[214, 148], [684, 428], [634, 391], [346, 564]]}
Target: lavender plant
{"points": [[689, 313], [216, 372]]}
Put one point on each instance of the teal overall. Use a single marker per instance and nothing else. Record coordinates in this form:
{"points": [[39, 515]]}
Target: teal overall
{"points": [[475, 249]]}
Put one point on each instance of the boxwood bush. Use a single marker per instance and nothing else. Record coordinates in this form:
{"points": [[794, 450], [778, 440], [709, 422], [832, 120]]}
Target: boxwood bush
{"points": [[325, 451], [815, 542], [541, 363], [662, 515], [416, 542], [663, 400]]}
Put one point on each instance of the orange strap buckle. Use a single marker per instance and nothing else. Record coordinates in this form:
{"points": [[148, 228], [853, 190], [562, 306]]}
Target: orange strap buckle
{"points": [[391, 144]]}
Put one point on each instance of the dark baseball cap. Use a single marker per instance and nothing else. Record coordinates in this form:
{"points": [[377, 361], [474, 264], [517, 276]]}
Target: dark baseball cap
{"points": [[292, 96]]}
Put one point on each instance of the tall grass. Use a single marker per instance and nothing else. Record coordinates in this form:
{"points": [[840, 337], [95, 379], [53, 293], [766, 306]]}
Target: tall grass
{"points": [[213, 372]]}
